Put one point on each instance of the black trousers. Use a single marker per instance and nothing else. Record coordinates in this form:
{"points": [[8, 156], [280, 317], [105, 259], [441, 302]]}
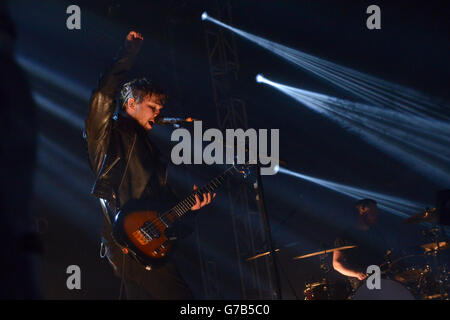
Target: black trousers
{"points": [[162, 282]]}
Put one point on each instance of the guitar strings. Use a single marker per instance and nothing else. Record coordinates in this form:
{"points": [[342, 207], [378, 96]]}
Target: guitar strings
{"points": [[151, 226], [158, 221], [154, 223]]}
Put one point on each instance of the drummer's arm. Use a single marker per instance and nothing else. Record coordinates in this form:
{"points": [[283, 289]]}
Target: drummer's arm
{"points": [[340, 267]]}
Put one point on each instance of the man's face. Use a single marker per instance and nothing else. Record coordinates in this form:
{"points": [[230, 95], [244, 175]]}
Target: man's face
{"points": [[146, 111], [369, 214]]}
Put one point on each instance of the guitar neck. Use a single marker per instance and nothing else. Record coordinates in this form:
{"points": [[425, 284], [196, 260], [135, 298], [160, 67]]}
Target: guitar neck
{"points": [[185, 205]]}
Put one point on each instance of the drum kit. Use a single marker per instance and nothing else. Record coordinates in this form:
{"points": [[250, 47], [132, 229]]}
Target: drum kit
{"points": [[418, 273]]}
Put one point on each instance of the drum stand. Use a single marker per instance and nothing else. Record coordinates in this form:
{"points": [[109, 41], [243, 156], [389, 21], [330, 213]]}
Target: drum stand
{"points": [[434, 282], [439, 270], [319, 290]]}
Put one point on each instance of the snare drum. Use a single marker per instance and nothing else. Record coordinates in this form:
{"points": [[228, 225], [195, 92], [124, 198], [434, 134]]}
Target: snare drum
{"points": [[389, 290]]}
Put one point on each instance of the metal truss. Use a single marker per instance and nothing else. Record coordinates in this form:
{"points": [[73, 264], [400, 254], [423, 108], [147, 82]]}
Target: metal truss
{"points": [[248, 231]]}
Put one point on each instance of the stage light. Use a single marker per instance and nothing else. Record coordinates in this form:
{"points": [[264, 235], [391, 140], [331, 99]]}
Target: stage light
{"points": [[276, 168], [57, 110], [55, 78], [395, 205], [204, 15], [420, 142], [374, 90], [259, 78]]}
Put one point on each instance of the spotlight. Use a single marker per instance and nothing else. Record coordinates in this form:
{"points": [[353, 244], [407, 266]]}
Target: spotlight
{"points": [[395, 205], [419, 142], [276, 168], [259, 78], [204, 15], [374, 90]]}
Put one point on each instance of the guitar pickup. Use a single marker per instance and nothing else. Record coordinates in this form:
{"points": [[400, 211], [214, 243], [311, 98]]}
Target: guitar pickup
{"points": [[139, 236]]}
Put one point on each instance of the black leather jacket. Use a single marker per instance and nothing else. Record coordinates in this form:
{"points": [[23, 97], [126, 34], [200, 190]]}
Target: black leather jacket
{"points": [[125, 162]]}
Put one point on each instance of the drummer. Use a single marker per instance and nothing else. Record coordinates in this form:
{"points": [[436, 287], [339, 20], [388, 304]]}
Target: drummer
{"points": [[371, 244]]}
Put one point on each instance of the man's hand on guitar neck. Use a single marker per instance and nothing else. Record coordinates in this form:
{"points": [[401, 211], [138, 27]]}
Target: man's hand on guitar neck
{"points": [[207, 197]]}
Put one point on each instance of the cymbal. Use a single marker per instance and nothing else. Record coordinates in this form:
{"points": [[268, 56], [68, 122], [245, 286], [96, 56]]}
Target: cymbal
{"points": [[428, 215], [323, 252], [433, 246]]}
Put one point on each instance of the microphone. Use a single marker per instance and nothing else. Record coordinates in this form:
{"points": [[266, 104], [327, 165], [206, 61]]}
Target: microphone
{"points": [[165, 120]]}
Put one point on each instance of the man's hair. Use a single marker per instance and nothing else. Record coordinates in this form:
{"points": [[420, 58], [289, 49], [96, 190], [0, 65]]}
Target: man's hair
{"points": [[139, 89], [364, 203]]}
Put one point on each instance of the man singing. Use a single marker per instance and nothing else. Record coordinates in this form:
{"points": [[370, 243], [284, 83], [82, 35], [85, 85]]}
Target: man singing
{"points": [[127, 167]]}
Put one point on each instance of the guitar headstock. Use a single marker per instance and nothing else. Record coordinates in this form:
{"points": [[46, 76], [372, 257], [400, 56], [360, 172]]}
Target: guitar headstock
{"points": [[243, 169]]}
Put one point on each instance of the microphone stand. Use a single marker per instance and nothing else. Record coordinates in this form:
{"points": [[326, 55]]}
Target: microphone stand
{"points": [[264, 216], [261, 204]]}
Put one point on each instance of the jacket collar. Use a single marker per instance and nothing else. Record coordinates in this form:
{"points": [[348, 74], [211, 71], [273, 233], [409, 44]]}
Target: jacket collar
{"points": [[129, 126], [126, 124]]}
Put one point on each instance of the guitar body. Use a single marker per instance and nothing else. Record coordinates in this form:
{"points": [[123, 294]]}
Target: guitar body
{"points": [[146, 233], [142, 234]]}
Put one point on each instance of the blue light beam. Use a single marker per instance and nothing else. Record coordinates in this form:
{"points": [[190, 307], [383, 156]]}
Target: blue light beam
{"points": [[419, 142], [395, 205], [373, 90]]}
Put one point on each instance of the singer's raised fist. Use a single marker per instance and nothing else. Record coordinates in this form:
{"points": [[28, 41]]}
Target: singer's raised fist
{"points": [[133, 40]]}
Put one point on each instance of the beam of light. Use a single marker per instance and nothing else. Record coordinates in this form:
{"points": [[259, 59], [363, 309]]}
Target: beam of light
{"points": [[374, 90], [422, 143], [395, 205], [65, 155], [74, 119], [71, 88], [66, 193], [56, 79], [58, 110]]}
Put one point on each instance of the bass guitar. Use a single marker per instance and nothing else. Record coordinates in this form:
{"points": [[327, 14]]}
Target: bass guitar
{"points": [[143, 233]]}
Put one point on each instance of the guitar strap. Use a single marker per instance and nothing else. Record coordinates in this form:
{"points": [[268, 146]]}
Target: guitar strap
{"points": [[105, 210], [109, 218]]}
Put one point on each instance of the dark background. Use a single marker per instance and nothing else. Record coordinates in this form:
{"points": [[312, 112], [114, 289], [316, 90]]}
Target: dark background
{"points": [[63, 66]]}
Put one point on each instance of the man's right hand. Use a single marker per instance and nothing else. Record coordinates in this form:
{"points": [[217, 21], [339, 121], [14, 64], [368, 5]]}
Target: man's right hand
{"points": [[361, 276], [134, 40]]}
